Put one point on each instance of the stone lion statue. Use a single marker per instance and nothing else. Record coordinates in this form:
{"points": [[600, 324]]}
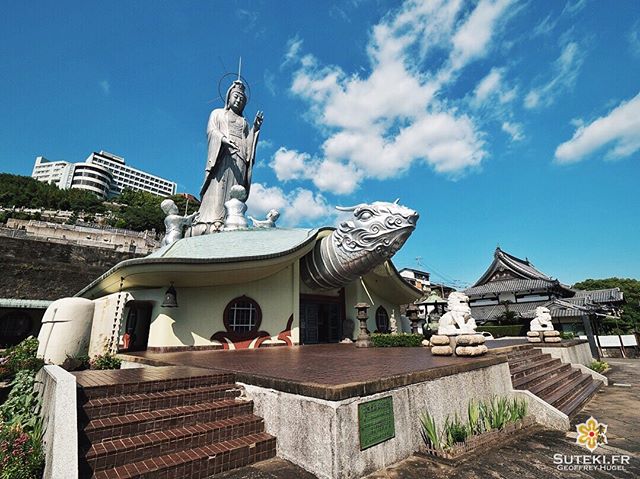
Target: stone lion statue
{"points": [[457, 319], [542, 321]]}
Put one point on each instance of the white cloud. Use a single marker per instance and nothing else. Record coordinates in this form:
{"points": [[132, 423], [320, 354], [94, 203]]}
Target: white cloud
{"points": [[619, 131], [633, 37], [513, 129], [379, 125], [492, 87], [289, 164], [105, 86], [294, 45], [473, 38], [297, 207], [565, 72]]}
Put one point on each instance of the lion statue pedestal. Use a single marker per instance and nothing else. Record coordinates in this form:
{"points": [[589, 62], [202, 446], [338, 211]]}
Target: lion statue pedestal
{"points": [[541, 328], [457, 330]]}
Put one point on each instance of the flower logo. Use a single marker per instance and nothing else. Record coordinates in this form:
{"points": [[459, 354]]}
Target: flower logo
{"points": [[591, 434]]}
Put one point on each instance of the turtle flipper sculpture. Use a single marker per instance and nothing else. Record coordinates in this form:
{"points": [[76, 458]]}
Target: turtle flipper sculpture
{"points": [[374, 234]]}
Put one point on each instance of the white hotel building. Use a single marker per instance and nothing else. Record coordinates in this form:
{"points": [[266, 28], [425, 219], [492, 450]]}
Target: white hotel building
{"points": [[102, 173]]}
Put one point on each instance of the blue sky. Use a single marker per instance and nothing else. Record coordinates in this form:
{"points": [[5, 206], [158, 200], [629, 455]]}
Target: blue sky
{"points": [[502, 122]]}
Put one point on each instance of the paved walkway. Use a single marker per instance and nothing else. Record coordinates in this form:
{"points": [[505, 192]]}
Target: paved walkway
{"points": [[530, 457], [326, 371]]}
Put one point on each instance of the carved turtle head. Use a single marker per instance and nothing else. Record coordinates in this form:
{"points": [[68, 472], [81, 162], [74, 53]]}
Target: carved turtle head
{"points": [[379, 227]]}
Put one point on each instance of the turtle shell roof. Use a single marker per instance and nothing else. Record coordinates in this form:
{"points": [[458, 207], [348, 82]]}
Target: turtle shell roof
{"points": [[237, 245]]}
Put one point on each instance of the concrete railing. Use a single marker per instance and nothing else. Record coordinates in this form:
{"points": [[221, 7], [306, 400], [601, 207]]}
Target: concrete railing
{"points": [[60, 443]]}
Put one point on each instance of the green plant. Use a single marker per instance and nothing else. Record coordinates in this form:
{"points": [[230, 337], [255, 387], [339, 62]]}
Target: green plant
{"points": [[19, 357], [79, 362], [105, 361], [516, 410], [455, 431], [567, 335], [497, 412], [404, 340], [21, 454], [475, 417], [21, 430], [599, 366], [429, 431]]}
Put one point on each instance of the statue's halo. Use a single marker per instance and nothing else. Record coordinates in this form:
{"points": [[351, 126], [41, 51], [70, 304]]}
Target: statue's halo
{"points": [[235, 77]]}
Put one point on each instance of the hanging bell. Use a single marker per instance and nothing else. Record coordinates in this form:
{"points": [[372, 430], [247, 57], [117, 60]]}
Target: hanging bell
{"points": [[170, 298]]}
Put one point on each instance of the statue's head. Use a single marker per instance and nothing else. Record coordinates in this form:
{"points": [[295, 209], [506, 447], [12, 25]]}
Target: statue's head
{"points": [[236, 98], [459, 302], [543, 314], [169, 207], [380, 226], [273, 215]]}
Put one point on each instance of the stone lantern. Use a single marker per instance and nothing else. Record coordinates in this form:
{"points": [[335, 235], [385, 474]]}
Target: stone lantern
{"points": [[412, 315], [363, 340]]}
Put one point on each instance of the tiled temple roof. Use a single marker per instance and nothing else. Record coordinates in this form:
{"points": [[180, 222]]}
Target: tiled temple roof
{"points": [[511, 286], [610, 295]]}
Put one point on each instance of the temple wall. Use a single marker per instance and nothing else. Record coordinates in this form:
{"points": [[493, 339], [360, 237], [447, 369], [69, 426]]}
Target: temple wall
{"points": [[200, 311], [355, 293]]}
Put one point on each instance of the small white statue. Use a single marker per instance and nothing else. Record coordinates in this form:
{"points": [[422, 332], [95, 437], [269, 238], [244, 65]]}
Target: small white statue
{"points": [[236, 209], [270, 222], [457, 319], [542, 321], [393, 323], [174, 224]]}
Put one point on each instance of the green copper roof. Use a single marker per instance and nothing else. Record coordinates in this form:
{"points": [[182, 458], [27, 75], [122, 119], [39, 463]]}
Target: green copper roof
{"points": [[245, 244]]}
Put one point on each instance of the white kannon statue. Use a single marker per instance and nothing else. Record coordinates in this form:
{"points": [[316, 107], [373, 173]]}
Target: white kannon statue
{"points": [[457, 319], [542, 321]]}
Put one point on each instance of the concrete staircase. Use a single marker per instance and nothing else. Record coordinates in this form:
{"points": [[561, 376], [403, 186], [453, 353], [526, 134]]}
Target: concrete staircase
{"points": [[169, 428], [553, 381]]}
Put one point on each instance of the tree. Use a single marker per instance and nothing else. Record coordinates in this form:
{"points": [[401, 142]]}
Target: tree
{"points": [[629, 321]]}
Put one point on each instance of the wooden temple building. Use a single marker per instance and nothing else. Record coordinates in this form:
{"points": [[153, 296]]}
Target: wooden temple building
{"points": [[515, 285]]}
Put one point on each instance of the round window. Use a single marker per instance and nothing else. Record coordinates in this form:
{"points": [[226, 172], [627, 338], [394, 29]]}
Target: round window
{"points": [[242, 315]]}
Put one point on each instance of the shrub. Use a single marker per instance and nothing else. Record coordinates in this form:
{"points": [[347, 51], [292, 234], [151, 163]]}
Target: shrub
{"points": [[455, 431], [567, 335], [21, 455], [105, 361], [21, 430], [502, 331], [76, 363], [404, 340], [19, 357], [599, 366]]}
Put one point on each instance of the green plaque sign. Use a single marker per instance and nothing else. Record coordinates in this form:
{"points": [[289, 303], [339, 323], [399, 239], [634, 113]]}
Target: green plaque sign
{"points": [[375, 422]]}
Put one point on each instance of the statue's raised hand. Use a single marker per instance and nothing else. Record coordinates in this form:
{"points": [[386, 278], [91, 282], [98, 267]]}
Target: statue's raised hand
{"points": [[257, 123]]}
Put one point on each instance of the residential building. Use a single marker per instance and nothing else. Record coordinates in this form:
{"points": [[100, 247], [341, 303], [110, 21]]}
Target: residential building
{"points": [[128, 177], [102, 173], [417, 278]]}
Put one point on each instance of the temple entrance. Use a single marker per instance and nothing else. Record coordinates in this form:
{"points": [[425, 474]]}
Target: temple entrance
{"points": [[137, 324], [321, 318]]}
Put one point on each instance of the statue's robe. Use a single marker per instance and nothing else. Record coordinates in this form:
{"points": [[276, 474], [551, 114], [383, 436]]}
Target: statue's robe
{"points": [[224, 168]]}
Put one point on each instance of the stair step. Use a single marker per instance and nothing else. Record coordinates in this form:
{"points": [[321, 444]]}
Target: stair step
{"points": [[128, 404], [519, 353], [531, 368], [119, 452], [120, 388], [567, 389], [554, 382], [574, 404], [163, 419], [530, 359], [199, 462], [540, 375]]}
